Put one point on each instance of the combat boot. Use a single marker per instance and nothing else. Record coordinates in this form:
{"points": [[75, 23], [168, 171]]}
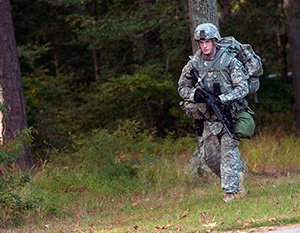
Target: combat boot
{"points": [[228, 197], [241, 189]]}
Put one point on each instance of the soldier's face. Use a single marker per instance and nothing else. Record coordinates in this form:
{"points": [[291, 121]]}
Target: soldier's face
{"points": [[206, 46]]}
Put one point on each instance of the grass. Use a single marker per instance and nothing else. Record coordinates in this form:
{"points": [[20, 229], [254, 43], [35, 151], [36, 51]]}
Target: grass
{"points": [[198, 208], [272, 151], [129, 182]]}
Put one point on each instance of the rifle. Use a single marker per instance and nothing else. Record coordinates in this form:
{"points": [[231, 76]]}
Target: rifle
{"points": [[212, 103]]}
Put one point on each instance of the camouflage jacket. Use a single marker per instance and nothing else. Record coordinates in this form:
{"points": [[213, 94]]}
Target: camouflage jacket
{"points": [[224, 69]]}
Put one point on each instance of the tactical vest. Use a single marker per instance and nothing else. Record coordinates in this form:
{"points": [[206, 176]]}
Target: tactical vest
{"points": [[216, 71]]}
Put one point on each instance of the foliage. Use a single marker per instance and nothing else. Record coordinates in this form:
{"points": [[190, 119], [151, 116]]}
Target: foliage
{"points": [[266, 22], [137, 51], [29, 55], [13, 203], [58, 110], [275, 107], [121, 33], [128, 178], [100, 82], [118, 155], [145, 96], [49, 101]]}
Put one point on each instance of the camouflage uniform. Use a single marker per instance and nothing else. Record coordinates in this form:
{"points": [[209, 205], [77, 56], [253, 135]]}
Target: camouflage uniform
{"points": [[216, 148]]}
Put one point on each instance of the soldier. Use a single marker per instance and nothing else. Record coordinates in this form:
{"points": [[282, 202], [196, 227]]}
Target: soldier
{"points": [[225, 76]]}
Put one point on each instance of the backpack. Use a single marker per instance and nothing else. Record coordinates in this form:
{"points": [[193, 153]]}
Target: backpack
{"points": [[250, 60]]}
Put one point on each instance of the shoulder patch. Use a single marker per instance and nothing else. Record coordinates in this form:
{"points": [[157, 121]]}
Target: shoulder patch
{"points": [[187, 68], [183, 69]]}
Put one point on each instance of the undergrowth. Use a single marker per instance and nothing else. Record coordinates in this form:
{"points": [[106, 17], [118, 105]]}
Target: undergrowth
{"points": [[129, 171], [12, 181], [272, 151]]}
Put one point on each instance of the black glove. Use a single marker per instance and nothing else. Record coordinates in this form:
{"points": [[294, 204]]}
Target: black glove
{"points": [[219, 102], [199, 96]]}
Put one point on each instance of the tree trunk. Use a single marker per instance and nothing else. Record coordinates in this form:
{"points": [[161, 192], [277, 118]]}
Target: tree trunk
{"points": [[293, 21], [202, 11], [11, 84]]}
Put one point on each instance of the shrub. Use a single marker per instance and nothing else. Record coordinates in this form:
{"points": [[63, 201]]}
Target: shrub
{"points": [[12, 203]]}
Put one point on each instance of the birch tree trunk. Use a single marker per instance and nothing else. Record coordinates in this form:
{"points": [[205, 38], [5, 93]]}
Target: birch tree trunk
{"points": [[12, 99], [293, 21], [202, 11]]}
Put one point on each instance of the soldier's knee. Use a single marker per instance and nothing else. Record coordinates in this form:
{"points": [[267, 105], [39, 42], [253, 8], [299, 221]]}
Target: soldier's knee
{"points": [[227, 142]]}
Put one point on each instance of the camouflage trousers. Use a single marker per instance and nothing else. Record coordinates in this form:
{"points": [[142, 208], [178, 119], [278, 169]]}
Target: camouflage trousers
{"points": [[221, 155]]}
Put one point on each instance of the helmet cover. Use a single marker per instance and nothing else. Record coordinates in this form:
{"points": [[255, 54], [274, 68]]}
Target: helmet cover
{"points": [[206, 31]]}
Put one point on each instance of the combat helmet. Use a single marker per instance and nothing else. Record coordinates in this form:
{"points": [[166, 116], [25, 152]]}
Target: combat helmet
{"points": [[206, 31]]}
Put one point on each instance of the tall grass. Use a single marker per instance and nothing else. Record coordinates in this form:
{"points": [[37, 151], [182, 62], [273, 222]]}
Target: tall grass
{"points": [[272, 151]]}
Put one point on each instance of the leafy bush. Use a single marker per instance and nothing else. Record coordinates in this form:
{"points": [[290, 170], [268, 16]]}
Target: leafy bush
{"points": [[58, 108], [146, 96], [12, 203], [275, 105], [110, 167], [107, 157]]}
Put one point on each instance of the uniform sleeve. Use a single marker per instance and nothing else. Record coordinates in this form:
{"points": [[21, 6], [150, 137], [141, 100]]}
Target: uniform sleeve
{"points": [[186, 88], [239, 79]]}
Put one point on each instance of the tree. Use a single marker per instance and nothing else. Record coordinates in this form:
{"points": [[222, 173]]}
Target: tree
{"points": [[15, 119], [293, 21], [204, 11]]}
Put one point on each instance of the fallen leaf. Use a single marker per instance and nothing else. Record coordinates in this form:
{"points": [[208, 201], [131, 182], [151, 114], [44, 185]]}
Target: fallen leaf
{"points": [[203, 215], [177, 229], [238, 221], [134, 204], [135, 227], [272, 228], [273, 219], [182, 216], [211, 225], [260, 220], [163, 227], [119, 158], [166, 226], [248, 223]]}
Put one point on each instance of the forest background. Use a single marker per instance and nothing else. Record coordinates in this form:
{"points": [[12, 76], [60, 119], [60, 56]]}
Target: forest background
{"points": [[100, 86], [88, 64]]}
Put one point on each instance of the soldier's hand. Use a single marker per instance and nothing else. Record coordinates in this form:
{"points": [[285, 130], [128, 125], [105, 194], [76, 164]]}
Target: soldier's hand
{"points": [[219, 102], [199, 96]]}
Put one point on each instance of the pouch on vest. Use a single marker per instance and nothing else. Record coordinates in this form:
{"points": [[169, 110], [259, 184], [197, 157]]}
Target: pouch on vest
{"points": [[245, 125]]}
